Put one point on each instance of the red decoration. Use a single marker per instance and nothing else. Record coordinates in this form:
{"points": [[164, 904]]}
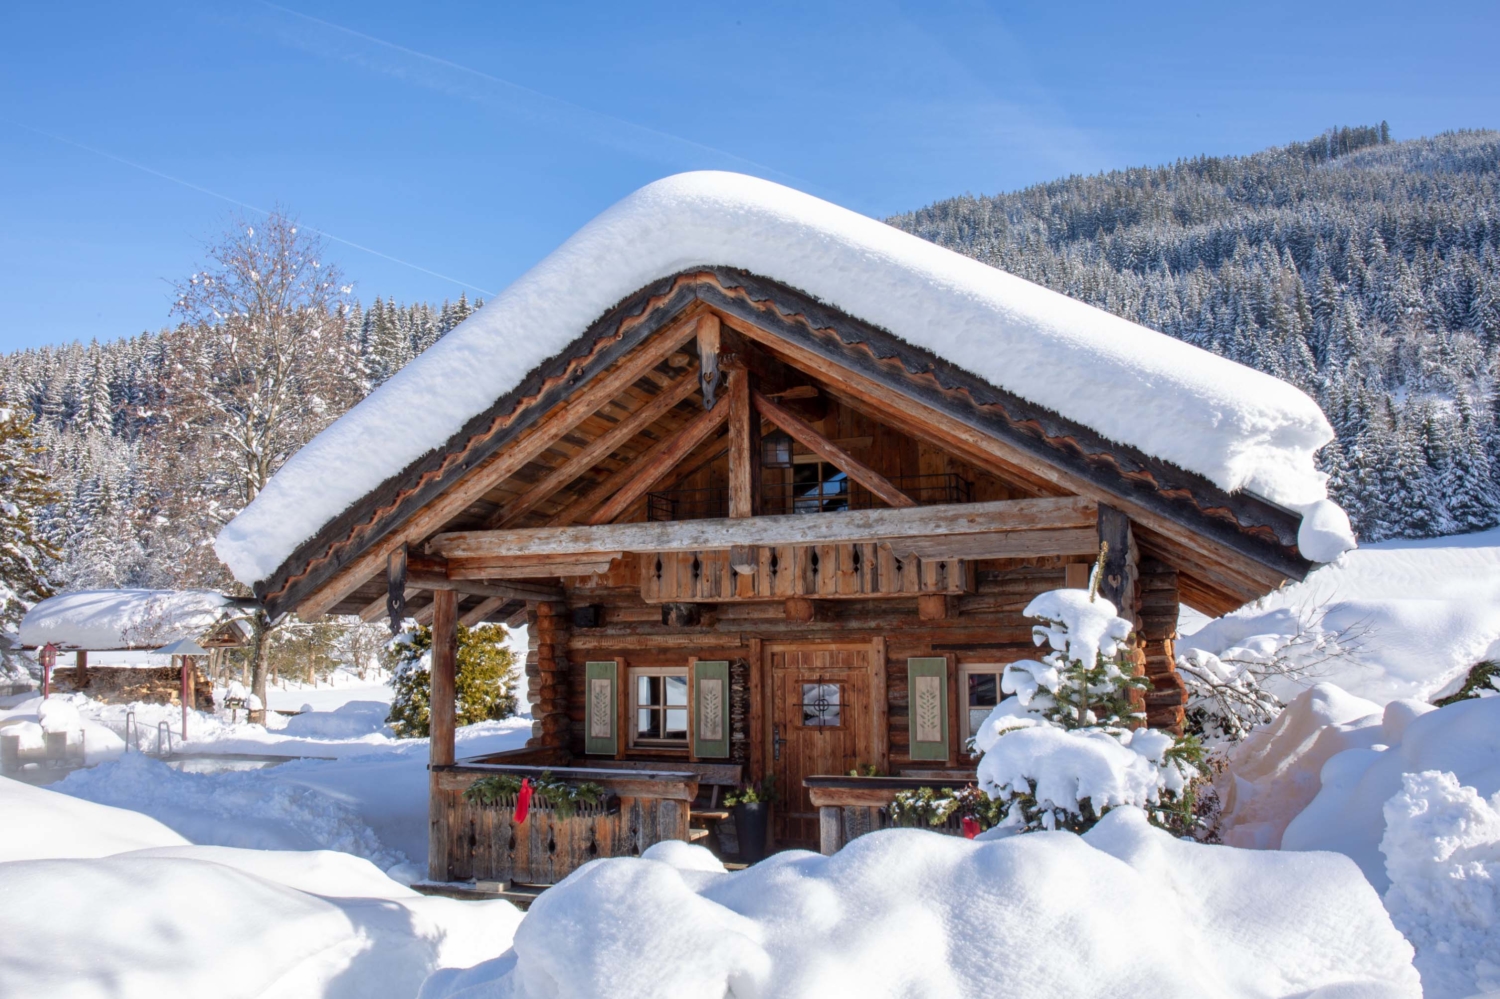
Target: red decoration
{"points": [[523, 801], [971, 827]]}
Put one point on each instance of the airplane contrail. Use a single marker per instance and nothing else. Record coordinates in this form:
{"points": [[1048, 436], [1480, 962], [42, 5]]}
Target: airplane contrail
{"points": [[642, 131], [235, 201]]}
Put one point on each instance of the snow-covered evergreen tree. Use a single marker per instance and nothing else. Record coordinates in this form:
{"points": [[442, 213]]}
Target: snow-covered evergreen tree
{"points": [[24, 553], [1068, 746]]}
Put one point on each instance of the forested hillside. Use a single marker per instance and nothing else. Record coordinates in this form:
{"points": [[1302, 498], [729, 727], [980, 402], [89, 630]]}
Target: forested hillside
{"points": [[145, 459], [1365, 271]]}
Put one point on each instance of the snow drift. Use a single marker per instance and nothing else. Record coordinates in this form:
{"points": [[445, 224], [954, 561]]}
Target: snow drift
{"points": [[1348, 814], [1418, 614], [181, 920], [1238, 427], [910, 913]]}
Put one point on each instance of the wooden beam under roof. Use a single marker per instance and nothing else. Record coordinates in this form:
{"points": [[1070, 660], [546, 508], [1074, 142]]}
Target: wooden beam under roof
{"points": [[958, 519], [830, 452], [501, 465], [646, 474], [600, 448]]}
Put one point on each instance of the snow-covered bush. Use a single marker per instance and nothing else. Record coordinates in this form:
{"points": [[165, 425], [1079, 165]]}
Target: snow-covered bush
{"points": [[1442, 854], [1063, 750], [484, 683]]}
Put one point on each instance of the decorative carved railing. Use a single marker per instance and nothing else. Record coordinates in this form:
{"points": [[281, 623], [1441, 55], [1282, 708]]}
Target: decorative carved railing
{"points": [[847, 571]]}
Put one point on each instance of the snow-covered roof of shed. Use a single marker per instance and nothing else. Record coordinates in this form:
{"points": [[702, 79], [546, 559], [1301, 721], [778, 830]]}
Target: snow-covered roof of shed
{"points": [[111, 620], [1239, 428]]}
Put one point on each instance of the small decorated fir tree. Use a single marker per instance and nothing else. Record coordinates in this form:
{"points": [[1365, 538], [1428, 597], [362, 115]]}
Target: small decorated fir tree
{"points": [[1069, 745]]}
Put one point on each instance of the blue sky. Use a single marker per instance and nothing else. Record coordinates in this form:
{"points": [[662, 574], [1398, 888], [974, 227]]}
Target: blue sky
{"points": [[452, 145]]}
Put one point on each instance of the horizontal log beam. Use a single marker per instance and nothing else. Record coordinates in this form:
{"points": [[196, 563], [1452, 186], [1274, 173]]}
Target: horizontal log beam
{"points": [[795, 529], [511, 591], [1000, 544]]}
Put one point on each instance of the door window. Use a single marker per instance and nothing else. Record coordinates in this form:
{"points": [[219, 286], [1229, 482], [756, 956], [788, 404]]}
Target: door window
{"points": [[822, 705]]}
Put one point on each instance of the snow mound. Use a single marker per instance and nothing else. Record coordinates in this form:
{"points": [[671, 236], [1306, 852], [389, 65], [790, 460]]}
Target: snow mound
{"points": [[913, 913], [1273, 774], [107, 620], [348, 721], [1237, 427], [1442, 854], [1348, 813], [182, 920], [252, 809], [1418, 615], [38, 823]]}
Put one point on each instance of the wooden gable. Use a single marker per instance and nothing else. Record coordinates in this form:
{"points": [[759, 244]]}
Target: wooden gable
{"points": [[622, 415]]}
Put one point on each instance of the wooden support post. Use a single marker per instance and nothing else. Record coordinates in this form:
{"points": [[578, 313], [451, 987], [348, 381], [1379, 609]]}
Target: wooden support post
{"points": [[395, 587], [442, 705], [744, 447], [80, 669], [709, 333], [830, 829], [880, 706]]}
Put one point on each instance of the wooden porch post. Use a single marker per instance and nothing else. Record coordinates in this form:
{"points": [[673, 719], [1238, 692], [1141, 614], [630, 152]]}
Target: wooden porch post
{"points": [[80, 669], [444, 664]]}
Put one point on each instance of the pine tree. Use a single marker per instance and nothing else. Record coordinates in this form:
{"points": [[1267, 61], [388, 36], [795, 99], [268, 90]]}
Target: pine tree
{"points": [[484, 681], [24, 554]]}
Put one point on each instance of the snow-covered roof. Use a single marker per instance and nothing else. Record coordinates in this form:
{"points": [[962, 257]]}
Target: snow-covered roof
{"points": [[1240, 429], [109, 620]]}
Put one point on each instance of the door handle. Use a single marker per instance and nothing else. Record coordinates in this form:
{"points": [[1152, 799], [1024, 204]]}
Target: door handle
{"points": [[776, 741]]}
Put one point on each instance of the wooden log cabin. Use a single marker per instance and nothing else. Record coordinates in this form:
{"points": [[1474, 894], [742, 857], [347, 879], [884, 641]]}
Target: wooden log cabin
{"points": [[754, 533]]}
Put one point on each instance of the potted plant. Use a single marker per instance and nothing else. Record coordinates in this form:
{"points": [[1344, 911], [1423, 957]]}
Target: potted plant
{"points": [[751, 806]]}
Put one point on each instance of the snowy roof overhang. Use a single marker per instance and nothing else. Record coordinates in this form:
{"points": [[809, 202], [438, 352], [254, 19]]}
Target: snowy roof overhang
{"points": [[117, 620], [1221, 445]]}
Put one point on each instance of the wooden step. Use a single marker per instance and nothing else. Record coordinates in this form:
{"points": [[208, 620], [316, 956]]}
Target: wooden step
{"points": [[709, 815], [694, 835]]}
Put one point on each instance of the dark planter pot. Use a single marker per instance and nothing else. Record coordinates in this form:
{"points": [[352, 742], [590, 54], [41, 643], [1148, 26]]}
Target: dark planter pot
{"points": [[750, 821]]}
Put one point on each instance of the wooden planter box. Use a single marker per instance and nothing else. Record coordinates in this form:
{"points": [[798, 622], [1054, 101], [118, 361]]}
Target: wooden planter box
{"points": [[469, 841], [849, 807]]}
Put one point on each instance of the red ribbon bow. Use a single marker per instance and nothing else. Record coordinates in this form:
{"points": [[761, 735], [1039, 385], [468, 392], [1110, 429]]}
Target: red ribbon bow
{"points": [[523, 800], [971, 827]]}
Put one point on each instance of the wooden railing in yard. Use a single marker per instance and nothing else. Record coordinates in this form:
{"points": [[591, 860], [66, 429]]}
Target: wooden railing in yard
{"points": [[468, 841], [850, 807]]}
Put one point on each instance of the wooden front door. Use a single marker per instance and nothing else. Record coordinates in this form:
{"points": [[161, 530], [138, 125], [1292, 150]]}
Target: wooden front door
{"points": [[820, 724]]}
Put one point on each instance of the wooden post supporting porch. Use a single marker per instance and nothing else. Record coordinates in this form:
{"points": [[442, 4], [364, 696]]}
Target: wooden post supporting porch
{"points": [[442, 710]]}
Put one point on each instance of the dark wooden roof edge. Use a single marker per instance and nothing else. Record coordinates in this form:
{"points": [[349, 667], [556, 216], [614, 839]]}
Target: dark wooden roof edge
{"points": [[1245, 523]]}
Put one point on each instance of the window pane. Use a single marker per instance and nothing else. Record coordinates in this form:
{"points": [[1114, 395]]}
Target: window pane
{"points": [[676, 723], [644, 690], [976, 719], [676, 689], [646, 723], [983, 689]]}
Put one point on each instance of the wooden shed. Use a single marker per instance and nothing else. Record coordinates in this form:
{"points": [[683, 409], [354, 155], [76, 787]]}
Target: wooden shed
{"points": [[754, 534]]}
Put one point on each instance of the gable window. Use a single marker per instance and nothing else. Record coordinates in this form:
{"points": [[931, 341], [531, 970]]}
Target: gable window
{"points": [[979, 685], [659, 707], [818, 487]]}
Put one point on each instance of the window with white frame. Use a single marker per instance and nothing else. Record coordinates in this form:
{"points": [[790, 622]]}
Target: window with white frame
{"points": [[659, 707], [979, 686]]}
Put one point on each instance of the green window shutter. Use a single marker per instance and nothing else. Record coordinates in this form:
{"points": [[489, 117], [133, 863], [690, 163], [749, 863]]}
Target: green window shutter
{"points": [[601, 733], [927, 707], [711, 710]]}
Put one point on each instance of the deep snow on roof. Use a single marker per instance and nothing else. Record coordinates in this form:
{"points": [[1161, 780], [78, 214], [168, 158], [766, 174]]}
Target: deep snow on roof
{"points": [[1239, 428], [109, 620]]}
